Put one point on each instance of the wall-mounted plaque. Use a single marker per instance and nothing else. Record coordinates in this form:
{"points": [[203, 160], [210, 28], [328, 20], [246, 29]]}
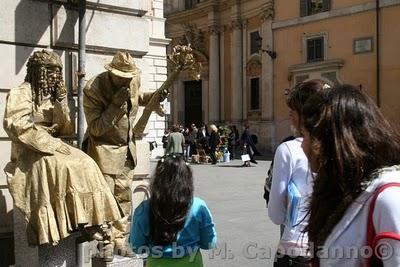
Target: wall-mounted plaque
{"points": [[362, 45]]}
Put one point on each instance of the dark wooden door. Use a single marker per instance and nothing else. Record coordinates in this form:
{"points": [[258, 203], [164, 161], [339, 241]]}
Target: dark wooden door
{"points": [[193, 103]]}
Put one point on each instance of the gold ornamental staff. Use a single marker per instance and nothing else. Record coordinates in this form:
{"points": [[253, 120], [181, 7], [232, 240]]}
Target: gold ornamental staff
{"points": [[181, 59]]}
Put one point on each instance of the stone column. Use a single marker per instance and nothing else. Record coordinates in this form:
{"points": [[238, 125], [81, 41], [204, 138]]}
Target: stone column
{"points": [[267, 64], [245, 93], [205, 98], [267, 83], [214, 76], [236, 64], [222, 71], [237, 71]]}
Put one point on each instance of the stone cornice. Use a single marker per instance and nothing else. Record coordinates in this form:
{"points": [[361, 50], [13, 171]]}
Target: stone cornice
{"points": [[333, 13], [200, 10], [265, 11], [320, 65], [159, 41], [268, 11]]}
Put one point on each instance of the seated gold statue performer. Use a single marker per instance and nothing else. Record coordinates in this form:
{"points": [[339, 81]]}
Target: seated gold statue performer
{"points": [[57, 187]]}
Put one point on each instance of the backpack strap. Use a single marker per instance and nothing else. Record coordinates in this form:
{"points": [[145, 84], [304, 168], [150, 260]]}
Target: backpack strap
{"points": [[372, 237]]}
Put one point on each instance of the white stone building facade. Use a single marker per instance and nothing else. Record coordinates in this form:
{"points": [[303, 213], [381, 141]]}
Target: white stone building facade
{"points": [[31, 25]]}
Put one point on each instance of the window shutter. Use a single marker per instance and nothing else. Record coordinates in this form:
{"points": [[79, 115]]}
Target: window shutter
{"points": [[303, 8], [326, 5]]}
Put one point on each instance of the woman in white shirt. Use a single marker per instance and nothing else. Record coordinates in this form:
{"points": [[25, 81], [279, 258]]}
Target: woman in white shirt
{"points": [[291, 171], [354, 152]]}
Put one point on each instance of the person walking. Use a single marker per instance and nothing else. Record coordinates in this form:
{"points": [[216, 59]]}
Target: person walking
{"points": [[292, 185], [172, 219], [355, 154], [176, 141], [232, 139], [248, 145]]}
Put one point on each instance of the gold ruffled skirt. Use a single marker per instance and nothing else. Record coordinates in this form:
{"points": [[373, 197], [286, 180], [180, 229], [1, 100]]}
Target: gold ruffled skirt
{"points": [[59, 193]]}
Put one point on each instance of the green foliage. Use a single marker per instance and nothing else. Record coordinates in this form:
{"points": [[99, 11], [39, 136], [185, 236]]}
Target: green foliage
{"points": [[223, 130]]}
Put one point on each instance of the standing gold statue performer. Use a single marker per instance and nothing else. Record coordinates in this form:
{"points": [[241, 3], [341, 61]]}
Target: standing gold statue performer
{"points": [[57, 187], [111, 101]]}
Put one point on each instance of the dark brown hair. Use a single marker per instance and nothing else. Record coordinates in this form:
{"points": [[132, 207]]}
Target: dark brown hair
{"points": [[298, 95], [171, 199], [355, 140]]}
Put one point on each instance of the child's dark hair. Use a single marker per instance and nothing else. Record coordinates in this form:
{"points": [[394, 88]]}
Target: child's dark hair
{"points": [[171, 199], [298, 95]]}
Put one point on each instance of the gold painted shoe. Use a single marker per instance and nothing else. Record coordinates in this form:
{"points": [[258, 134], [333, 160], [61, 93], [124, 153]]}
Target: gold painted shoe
{"points": [[106, 251]]}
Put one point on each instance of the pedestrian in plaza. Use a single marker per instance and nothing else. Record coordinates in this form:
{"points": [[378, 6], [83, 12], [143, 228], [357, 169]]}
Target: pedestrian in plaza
{"points": [[203, 136], [249, 147], [187, 147], [193, 139], [290, 174], [232, 138], [164, 141], [173, 225], [215, 140], [355, 154], [176, 141]]}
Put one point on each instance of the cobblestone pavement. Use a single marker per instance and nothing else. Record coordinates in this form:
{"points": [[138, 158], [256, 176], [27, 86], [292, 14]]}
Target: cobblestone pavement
{"points": [[246, 236]]}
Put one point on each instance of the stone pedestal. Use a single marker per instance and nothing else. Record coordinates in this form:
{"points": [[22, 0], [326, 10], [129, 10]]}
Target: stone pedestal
{"points": [[24, 255], [119, 262], [62, 255], [85, 252]]}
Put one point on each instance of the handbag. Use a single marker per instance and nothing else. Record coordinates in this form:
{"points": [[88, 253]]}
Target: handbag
{"points": [[372, 237]]}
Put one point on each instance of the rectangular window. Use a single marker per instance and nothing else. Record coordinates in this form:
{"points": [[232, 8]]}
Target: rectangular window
{"points": [[255, 42], [189, 4], [255, 94], [311, 7], [315, 49]]}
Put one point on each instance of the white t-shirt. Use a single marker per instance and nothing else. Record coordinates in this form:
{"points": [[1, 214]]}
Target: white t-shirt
{"points": [[347, 244], [290, 164]]}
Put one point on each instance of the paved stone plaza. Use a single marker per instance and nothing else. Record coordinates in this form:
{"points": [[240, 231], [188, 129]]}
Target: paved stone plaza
{"points": [[246, 236]]}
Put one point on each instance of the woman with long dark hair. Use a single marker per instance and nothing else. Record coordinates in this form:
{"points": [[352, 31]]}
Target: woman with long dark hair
{"points": [[355, 153], [173, 225], [290, 173]]}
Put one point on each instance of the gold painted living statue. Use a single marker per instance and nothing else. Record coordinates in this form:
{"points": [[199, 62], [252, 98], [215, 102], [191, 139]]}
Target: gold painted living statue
{"points": [[58, 187], [111, 101]]}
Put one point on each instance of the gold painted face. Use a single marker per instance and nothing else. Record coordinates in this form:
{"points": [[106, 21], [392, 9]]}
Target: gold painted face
{"points": [[119, 82], [53, 75]]}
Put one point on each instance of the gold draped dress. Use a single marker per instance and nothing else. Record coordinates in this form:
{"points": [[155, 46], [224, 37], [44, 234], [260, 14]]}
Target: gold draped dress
{"points": [[56, 192]]}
